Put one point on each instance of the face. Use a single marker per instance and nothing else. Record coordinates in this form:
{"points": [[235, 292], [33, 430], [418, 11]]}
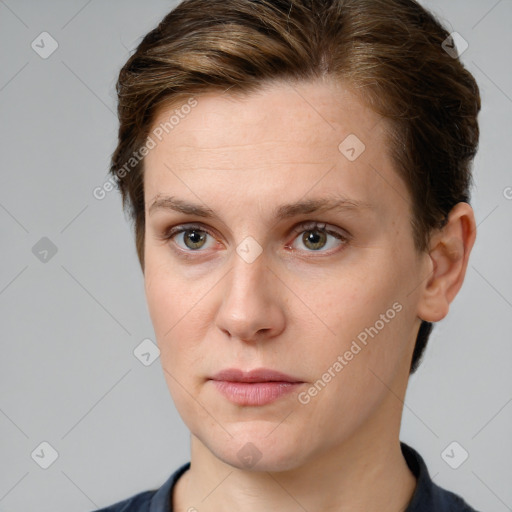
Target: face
{"points": [[276, 240]]}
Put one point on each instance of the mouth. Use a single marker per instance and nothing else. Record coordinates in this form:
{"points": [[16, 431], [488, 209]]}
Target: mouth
{"points": [[254, 388]]}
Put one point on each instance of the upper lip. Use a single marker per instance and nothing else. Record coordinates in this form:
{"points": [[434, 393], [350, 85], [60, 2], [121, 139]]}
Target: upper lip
{"points": [[257, 375]]}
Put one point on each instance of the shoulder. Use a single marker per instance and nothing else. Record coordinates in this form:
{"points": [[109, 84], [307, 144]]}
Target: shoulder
{"points": [[428, 496], [450, 502], [137, 503], [158, 500]]}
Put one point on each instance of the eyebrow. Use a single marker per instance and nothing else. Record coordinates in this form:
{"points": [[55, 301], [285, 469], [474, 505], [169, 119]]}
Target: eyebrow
{"points": [[284, 211]]}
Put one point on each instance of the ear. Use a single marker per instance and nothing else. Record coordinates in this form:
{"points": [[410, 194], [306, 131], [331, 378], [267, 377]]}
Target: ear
{"points": [[448, 258]]}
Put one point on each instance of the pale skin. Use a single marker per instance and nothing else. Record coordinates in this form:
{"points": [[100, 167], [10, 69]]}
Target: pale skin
{"points": [[297, 306]]}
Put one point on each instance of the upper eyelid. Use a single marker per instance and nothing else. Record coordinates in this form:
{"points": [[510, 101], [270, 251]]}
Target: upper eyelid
{"points": [[320, 225]]}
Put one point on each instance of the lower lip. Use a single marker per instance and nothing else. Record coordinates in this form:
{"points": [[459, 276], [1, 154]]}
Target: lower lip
{"points": [[254, 393]]}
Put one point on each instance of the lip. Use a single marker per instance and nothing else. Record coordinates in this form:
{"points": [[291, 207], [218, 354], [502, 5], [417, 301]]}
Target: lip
{"points": [[256, 387], [256, 375]]}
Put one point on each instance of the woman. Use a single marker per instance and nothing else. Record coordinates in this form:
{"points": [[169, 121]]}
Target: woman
{"points": [[298, 174]]}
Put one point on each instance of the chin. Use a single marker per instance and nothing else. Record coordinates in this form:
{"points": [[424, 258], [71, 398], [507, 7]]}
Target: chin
{"points": [[252, 448], [266, 460]]}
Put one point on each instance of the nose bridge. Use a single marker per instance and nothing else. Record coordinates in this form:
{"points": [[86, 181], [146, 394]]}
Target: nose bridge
{"points": [[249, 274], [249, 305]]}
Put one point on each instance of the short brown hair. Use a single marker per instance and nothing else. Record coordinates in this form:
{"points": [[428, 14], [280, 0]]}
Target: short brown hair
{"points": [[390, 51]]}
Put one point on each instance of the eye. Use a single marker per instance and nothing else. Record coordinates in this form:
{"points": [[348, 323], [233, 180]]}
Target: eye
{"points": [[192, 238], [315, 237]]}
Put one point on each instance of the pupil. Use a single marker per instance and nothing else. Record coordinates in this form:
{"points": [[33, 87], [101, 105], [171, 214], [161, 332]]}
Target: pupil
{"points": [[314, 239], [195, 237]]}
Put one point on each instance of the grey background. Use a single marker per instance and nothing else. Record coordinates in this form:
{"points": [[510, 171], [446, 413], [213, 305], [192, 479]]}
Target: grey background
{"points": [[69, 325]]}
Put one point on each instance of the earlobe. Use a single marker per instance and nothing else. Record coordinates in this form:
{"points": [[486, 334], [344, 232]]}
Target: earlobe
{"points": [[448, 260]]}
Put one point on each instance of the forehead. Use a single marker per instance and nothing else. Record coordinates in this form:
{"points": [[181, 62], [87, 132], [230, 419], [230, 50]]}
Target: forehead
{"points": [[283, 139]]}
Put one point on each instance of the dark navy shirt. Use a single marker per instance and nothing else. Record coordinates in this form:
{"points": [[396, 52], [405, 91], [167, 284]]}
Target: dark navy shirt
{"points": [[427, 497]]}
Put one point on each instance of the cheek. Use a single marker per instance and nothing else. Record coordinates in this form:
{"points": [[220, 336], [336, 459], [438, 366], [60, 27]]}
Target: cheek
{"points": [[173, 316], [369, 317], [178, 311], [169, 294], [168, 304], [162, 296], [353, 297], [353, 376]]}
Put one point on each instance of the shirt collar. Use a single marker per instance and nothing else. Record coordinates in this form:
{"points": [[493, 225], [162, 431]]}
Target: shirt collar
{"points": [[426, 496], [162, 499]]}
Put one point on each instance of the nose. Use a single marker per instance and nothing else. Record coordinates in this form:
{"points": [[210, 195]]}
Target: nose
{"points": [[252, 308]]}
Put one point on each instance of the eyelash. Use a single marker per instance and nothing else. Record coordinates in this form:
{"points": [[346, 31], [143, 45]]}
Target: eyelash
{"points": [[301, 228]]}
